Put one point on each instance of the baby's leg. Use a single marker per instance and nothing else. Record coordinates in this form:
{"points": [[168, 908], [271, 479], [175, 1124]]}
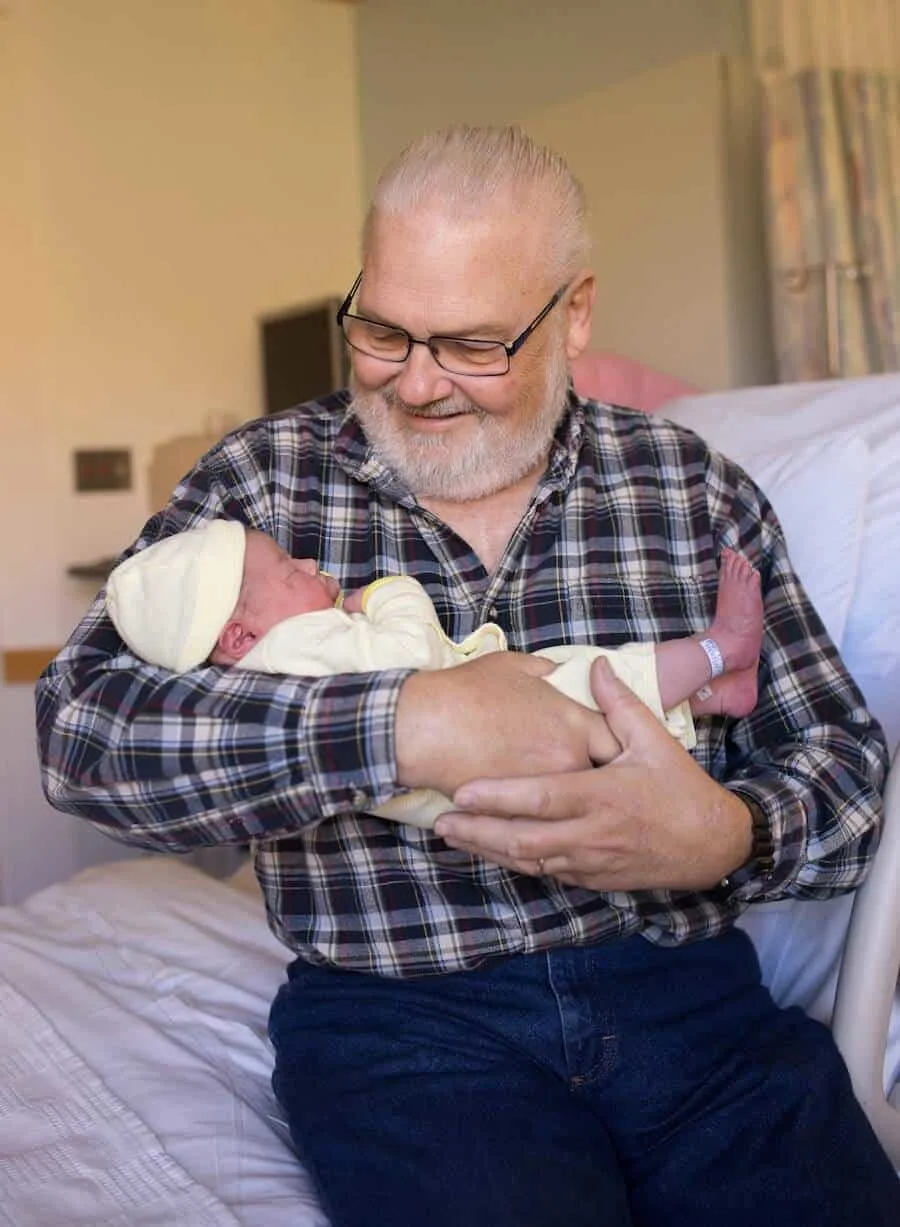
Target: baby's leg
{"points": [[683, 666], [634, 664]]}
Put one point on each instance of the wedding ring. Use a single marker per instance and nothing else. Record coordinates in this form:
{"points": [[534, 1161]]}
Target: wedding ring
{"points": [[540, 865]]}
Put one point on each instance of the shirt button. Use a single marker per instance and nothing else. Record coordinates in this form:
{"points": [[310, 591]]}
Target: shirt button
{"points": [[492, 613], [359, 799]]}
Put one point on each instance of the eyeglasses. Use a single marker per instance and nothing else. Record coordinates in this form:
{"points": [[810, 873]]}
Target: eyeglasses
{"points": [[456, 355]]}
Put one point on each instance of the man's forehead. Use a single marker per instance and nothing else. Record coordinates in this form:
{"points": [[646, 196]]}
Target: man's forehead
{"points": [[431, 228], [453, 271]]}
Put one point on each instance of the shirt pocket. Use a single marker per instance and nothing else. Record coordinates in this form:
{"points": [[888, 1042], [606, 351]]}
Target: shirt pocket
{"points": [[611, 611]]}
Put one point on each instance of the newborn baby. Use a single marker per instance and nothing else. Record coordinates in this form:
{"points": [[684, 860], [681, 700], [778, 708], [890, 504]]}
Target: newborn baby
{"points": [[232, 596]]}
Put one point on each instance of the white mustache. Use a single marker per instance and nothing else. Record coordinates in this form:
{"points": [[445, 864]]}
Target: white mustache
{"points": [[428, 412], [440, 409]]}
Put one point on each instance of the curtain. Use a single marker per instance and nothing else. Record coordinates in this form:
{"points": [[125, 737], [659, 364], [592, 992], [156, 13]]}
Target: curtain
{"points": [[831, 142]]}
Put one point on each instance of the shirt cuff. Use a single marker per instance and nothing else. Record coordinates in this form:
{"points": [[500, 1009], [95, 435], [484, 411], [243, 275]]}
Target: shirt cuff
{"points": [[347, 733]]}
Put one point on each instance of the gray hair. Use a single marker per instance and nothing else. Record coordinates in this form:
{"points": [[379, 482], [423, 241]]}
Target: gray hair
{"points": [[467, 171]]}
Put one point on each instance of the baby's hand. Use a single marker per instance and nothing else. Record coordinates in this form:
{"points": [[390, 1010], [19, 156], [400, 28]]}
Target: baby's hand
{"points": [[353, 601]]}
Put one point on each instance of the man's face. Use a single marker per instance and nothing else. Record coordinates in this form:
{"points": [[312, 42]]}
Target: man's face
{"points": [[448, 436]]}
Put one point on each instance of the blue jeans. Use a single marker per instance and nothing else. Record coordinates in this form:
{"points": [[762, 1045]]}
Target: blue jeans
{"points": [[620, 1085]]}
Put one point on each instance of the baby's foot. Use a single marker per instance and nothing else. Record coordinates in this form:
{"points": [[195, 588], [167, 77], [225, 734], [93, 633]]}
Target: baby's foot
{"points": [[732, 694], [738, 623]]}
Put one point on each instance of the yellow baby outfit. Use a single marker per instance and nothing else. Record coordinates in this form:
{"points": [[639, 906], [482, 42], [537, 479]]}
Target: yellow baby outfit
{"points": [[399, 628]]}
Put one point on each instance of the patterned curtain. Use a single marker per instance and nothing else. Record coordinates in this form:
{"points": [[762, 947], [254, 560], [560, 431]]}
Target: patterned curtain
{"points": [[831, 134]]}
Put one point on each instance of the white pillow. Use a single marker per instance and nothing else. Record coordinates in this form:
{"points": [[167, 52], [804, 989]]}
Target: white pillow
{"points": [[819, 494], [786, 419], [871, 645]]}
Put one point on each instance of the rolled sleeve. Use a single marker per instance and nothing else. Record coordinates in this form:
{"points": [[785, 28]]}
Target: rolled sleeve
{"points": [[348, 741]]}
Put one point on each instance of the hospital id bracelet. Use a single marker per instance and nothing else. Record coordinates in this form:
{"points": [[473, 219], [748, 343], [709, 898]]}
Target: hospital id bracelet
{"points": [[761, 861], [714, 656]]}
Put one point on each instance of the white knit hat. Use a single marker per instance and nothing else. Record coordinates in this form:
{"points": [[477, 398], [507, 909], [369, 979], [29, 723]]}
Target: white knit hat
{"points": [[170, 601]]}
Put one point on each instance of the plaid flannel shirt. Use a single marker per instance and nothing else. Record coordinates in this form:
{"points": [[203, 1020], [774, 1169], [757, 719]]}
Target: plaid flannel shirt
{"points": [[619, 543]]}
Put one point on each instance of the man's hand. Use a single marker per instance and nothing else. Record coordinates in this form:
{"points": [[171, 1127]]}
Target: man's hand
{"points": [[650, 818], [493, 716]]}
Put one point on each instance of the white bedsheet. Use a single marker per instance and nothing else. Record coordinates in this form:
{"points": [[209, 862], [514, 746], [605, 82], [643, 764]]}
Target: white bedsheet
{"points": [[134, 1066]]}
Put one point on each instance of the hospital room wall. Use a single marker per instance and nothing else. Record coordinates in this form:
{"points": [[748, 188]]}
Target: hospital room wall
{"points": [[163, 168], [655, 106], [424, 63], [670, 161]]}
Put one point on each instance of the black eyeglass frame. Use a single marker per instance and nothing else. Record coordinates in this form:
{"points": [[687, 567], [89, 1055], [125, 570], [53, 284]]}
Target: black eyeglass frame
{"points": [[510, 348]]}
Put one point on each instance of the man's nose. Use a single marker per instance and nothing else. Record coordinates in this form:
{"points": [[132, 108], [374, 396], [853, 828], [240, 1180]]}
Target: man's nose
{"points": [[421, 381]]}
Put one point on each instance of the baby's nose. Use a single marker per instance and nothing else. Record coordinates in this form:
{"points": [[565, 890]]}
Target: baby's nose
{"points": [[309, 565]]}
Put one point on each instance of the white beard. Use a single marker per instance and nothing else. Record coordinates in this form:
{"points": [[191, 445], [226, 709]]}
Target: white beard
{"points": [[505, 449]]}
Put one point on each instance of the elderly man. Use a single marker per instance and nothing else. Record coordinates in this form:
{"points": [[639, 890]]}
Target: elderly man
{"points": [[540, 1013]]}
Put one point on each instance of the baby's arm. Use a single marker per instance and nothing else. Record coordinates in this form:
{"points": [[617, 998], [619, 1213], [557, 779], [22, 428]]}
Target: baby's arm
{"points": [[398, 629], [353, 601], [400, 626]]}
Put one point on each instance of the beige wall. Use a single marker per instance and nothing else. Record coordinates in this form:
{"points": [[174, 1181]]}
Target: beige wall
{"points": [[175, 169], [168, 169], [636, 94], [424, 63], [679, 266]]}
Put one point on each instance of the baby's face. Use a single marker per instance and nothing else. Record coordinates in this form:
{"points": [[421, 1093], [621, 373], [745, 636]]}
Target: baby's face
{"points": [[277, 586]]}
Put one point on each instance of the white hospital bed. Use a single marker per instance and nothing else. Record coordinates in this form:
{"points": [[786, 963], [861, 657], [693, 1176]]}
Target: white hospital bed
{"points": [[134, 1065]]}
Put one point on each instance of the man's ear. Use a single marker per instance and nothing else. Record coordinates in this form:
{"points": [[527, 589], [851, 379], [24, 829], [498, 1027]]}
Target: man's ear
{"points": [[579, 309], [235, 639]]}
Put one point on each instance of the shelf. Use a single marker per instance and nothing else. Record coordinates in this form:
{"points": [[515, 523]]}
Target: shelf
{"points": [[95, 571]]}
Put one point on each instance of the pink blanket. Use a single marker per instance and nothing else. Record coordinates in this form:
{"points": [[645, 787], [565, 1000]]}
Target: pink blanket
{"points": [[622, 381]]}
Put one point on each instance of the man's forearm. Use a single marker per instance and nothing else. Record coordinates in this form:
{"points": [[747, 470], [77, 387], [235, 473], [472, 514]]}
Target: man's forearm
{"points": [[216, 756]]}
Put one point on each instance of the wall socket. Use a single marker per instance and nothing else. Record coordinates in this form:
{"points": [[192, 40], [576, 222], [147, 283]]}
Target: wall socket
{"points": [[102, 470]]}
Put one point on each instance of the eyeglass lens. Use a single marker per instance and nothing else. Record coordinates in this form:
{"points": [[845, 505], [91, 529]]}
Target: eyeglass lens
{"points": [[456, 355]]}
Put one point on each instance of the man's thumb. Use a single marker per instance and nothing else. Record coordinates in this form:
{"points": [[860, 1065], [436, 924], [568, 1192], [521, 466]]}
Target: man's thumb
{"points": [[615, 700]]}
